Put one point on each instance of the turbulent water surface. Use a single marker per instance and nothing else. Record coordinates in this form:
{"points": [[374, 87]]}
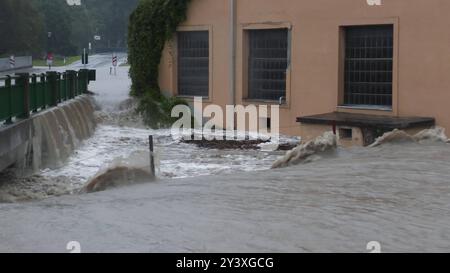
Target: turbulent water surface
{"points": [[397, 194], [119, 134]]}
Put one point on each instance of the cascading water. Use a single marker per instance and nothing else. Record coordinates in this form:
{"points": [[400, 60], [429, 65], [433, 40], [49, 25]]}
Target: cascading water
{"points": [[54, 136], [112, 132], [53, 139]]}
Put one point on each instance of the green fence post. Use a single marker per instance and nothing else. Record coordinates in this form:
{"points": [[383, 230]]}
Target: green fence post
{"points": [[77, 82], [58, 87], [9, 91], [51, 80], [92, 75], [64, 85], [71, 83], [44, 88], [86, 80], [24, 80], [83, 80], [80, 81], [75, 76], [34, 97]]}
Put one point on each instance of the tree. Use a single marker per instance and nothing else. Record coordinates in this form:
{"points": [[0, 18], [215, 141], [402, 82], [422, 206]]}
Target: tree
{"points": [[152, 24], [111, 20], [26, 24], [57, 19], [21, 28], [82, 24]]}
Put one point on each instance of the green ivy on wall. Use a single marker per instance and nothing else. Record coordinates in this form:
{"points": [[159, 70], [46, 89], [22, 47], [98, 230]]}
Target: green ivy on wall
{"points": [[152, 24]]}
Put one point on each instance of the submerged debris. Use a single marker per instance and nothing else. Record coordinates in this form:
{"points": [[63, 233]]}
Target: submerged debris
{"points": [[302, 153], [227, 144], [247, 144]]}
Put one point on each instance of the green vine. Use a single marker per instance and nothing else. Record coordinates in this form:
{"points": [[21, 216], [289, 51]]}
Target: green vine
{"points": [[152, 24]]}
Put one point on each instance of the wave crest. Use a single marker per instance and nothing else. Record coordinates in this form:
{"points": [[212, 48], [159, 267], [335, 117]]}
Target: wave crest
{"points": [[304, 152]]}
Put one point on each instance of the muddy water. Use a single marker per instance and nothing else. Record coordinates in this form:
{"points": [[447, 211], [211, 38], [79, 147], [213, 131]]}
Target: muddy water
{"points": [[397, 194], [120, 133]]}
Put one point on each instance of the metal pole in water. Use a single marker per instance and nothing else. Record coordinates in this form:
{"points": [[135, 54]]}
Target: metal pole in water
{"points": [[152, 157]]}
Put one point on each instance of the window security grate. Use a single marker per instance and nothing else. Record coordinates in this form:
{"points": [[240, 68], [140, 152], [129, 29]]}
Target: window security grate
{"points": [[193, 63], [368, 65], [268, 62]]}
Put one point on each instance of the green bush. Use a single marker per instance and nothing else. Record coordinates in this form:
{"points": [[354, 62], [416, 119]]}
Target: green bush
{"points": [[152, 24], [156, 109]]}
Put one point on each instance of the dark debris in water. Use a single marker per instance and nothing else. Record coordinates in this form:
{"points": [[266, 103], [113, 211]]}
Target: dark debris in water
{"points": [[247, 144]]}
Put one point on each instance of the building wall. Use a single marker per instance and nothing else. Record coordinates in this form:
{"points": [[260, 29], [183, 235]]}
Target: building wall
{"points": [[214, 16], [421, 53]]}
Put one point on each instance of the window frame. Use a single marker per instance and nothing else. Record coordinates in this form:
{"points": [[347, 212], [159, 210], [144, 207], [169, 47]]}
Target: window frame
{"points": [[367, 109], [378, 64], [259, 35], [244, 65], [174, 53]]}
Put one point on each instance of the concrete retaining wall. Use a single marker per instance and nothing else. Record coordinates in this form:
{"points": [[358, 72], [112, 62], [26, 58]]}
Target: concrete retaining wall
{"points": [[21, 62], [49, 137]]}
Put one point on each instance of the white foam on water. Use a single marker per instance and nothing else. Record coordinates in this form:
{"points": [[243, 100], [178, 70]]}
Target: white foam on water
{"points": [[121, 172], [395, 194], [398, 136], [308, 151]]}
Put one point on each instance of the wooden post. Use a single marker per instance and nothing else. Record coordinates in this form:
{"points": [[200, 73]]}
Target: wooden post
{"points": [[152, 157]]}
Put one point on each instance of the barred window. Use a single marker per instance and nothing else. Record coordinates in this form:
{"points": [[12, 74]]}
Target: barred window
{"points": [[368, 65], [268, 62], [193, 63]]}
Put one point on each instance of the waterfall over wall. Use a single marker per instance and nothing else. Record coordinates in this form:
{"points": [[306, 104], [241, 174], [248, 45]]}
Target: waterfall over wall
{"points": [[48, 138]]}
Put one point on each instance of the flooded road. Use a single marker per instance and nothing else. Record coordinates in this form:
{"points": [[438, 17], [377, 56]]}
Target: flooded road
{"points": [[397, 195], [119, 134], [229, 201]]}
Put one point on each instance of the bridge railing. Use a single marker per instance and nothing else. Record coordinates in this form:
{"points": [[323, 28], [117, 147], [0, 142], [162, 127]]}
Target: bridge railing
{"points": [[23, 94]]}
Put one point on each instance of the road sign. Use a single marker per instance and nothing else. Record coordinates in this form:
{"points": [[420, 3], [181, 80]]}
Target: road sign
{"points": [[114, 60], [12, 61], [97, 37]]}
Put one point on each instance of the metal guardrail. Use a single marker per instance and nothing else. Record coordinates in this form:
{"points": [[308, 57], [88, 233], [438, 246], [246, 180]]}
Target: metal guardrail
{"points": [[20, 62], [23, 94]]}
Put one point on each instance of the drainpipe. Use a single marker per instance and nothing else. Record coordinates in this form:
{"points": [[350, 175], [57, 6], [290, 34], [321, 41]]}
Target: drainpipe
{"points": [[232, 82]]}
